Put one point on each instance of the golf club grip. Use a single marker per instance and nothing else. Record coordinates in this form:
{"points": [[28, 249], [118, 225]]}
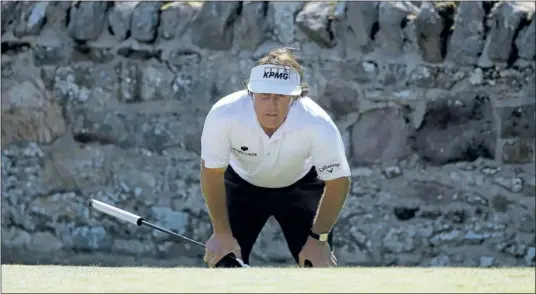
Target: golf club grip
{"points": [[116, 212]]}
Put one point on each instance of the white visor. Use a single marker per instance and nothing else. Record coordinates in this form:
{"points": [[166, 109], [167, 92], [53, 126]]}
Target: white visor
{"points": [[274, 79]]}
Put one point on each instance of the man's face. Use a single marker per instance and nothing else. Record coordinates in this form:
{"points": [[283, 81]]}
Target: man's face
{"points": [[271, 109]]}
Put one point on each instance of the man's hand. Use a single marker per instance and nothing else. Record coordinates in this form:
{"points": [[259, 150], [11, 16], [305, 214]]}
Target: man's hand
{"points": [[318, 253], [219, 245]]}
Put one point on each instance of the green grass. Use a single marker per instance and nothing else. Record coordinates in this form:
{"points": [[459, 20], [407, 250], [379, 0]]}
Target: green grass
{"points": [[42, 279]]}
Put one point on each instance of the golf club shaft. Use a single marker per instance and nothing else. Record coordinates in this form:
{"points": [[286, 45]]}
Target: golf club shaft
{"points": [[171, 233], [133, 218], [187, 239], [139, 221]]}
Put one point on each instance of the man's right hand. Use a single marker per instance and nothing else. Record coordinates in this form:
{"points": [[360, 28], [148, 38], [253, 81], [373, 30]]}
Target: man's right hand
{"points": [[218, 246]]}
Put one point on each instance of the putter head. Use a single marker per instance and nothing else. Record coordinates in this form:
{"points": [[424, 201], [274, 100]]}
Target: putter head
{"points": [[230, 261]]}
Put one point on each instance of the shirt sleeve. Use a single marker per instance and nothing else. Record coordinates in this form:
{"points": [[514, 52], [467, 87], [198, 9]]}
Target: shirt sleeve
{"points": [[215, 141], [328, 153]]}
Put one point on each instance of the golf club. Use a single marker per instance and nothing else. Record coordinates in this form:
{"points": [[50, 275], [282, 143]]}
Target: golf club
{"points": [[229, 260]]}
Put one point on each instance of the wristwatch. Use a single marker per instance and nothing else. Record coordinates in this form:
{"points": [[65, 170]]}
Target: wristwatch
{"points": [[320, 237]]}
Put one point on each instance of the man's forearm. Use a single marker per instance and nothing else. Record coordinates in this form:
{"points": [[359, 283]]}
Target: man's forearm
{"points": [[213, 188], [331, 204]]}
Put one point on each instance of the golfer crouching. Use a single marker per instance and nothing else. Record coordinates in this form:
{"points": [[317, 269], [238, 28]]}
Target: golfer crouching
{"points": [[270, 150]]}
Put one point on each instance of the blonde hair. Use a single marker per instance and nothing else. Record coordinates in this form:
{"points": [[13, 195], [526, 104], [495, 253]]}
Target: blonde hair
{"points": [[284, 57]]}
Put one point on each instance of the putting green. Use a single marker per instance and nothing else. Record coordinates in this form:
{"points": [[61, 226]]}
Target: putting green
{"points": [[42, 279]]}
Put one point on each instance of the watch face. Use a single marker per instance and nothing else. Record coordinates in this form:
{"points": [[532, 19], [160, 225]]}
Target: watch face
{"points": [[323, 237]]}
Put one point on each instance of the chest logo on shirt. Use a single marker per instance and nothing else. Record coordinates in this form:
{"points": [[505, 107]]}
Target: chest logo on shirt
{"points": [[243, 150], [329, 167]]}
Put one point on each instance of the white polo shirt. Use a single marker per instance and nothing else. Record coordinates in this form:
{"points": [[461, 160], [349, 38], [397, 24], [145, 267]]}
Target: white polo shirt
{"points": [[308, 137]]}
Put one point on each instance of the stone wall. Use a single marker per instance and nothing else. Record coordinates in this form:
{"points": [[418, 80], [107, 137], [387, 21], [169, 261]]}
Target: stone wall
{"points": [[436, 103]]}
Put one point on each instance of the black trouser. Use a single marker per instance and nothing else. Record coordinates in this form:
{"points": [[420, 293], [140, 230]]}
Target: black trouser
{"points": [[294, 207]]}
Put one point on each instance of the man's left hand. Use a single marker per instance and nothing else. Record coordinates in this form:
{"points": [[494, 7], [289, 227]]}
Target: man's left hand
{"points": [[318, 253]]}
